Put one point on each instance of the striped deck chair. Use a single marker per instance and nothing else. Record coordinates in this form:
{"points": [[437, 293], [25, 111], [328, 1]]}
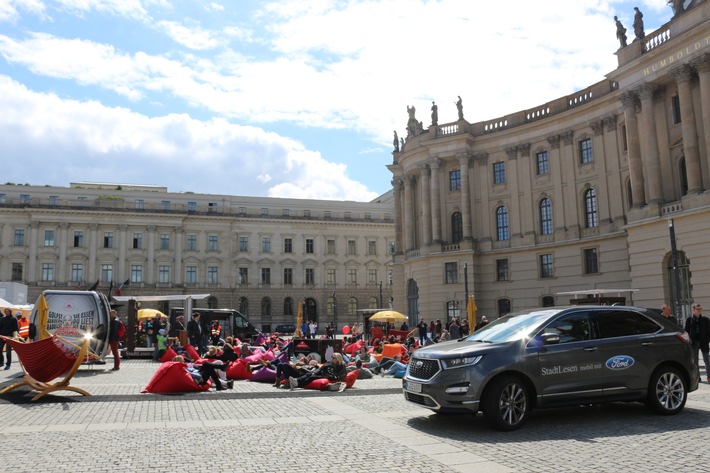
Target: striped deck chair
{"points": [[44, 361]]}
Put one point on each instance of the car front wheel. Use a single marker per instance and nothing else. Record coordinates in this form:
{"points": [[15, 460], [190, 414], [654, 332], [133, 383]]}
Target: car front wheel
{"points": [[667, 391], [505, 404]]}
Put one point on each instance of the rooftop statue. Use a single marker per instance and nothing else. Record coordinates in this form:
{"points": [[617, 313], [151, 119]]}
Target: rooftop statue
{"points": [[620, 32], [678, 6], [459, 107], [395, 142], [638, 25], [434, 114]]}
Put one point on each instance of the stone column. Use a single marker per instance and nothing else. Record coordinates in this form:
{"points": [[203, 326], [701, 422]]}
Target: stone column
{"points": [[435, 164], [32, 263], [122, 247], [464, 160], [409, 213], [397, 185], [638, 192], [651, 157], [511, 181], [426, 203], [93, 244], [683, 75], [177, 276], [61, 276], [703, 68], [150, 261]]}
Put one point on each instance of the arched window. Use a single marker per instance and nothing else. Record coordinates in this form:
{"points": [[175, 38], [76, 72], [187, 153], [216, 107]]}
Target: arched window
{"points": [[452, 310], [244, 306], [591, 214], [456, 227], [373, 303], [266, 307], [288, 306], [352, 307], [546, 216], [502, 223], [548, 301], [212, 302], [503, 307]]}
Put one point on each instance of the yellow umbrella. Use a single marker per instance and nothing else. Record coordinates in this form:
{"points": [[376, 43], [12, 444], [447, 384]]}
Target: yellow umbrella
{"points": [[299, 320], [471, 309], [388, 316], [149, 314], [42, 318]]}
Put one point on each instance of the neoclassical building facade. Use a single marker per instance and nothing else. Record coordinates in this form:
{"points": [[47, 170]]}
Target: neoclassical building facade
{"points": [[263, 256], [608, 188]]}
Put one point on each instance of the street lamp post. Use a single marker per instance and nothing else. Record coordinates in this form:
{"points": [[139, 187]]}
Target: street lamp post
{"points": [[380, 303], [335, 312], [676, 277]]}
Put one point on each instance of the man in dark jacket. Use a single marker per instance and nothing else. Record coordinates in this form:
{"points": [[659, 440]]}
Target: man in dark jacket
{"points": [[8, 328], [698, 328], [194, 332], [113, 339]]}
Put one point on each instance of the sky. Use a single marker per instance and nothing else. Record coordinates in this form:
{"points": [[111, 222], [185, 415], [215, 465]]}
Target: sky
{"points": [[283, 98]]}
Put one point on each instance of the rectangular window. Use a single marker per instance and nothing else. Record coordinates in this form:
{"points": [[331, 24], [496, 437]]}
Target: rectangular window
{"points": [[77, 273], [455, 180], [502, 271], [499, 173], [164, 241], [81, 201], [330, 247], [391, 248], [106, 272], [372, 248], [264, 212], [542, 163], [309, 245], [242, 211], [243, 276], [452, 273], [585, 151], [265, 275], [191, 275], [191, 207], [192, 242], [307, 214], [368, 216], [78, 239], [288, 245], [163, 274], [212, 207], [53, 200], [165, 205], [675, 102], [285, 212], [137, 241], [546, 270], [371, 277], [3, 198], [17, 270], [49, 238], [212, 243], [243, 244], [310, 276], [591, 261], [212, 275], [266, 245], [140, 204], [330, 276], [24, 199], [137, 273], [19, 239], [347, 215], [625, 139], [108, 239], [352, 276], [47, 271], [288, 276], [351, 247], [327, 214]]}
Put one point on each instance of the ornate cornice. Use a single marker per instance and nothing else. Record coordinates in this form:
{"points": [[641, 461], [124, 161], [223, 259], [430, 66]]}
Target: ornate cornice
{"points": [[629, 100], [682, 74], [512, 152], [610, 122], [554, 141], [647, 91], [434, 163], [702, 64], [597, 127]]}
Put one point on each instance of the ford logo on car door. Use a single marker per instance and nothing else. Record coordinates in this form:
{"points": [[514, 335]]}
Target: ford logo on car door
{"points": [[620, 362]]}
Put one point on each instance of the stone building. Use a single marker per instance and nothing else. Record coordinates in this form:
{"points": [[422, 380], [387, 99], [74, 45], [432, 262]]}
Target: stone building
{"points": [[260, 255], [575, 194]]}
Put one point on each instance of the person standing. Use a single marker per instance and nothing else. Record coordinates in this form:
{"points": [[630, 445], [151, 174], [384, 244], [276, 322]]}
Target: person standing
{"points": [[8, 328], [23, 324], [194, 332], [698, 328], [668, 314], [455, 330], [422, 328], [113, 339]]}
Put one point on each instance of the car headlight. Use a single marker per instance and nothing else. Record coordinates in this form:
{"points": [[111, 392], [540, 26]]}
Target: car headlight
{"points": [[452, 363]]}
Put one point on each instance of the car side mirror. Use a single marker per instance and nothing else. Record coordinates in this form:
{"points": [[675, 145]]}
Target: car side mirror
{"points": [[550, 338]]}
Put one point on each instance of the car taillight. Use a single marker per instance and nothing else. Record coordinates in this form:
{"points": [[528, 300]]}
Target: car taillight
{"points": [[684, 337]]}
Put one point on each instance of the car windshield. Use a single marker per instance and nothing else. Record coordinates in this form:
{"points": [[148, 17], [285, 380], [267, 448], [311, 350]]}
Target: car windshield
{"points": [[512, 327]]}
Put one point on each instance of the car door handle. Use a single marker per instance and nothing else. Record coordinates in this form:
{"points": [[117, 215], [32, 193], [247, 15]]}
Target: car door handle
{"points": [[645, 344], [590, 349]]}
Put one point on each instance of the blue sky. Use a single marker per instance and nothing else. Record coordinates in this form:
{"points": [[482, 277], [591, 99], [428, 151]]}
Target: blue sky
{"points": [[275, 98]]}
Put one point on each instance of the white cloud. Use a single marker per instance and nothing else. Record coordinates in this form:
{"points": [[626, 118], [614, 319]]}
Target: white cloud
{"points": [[43, 131], [192, 37]]}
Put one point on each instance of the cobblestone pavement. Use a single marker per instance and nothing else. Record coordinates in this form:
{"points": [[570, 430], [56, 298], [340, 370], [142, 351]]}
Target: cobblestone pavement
{"points": [[257, 428]]}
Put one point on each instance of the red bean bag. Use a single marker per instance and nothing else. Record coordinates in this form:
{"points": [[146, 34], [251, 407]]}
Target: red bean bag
{"points": [[350, 378], [238, 370], [354, 347], [172, 377], [320, 384], [168, 355], [264, 375], [192, 352]]}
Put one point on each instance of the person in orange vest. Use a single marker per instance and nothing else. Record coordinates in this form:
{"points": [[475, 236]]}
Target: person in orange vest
{"points": [[23, 324], [216, 333]]}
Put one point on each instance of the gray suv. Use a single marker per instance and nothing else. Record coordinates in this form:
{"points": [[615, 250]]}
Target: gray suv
{"points": [[555, 357]]}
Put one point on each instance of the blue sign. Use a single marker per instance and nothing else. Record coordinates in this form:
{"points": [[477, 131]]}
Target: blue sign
{"points": [[620, 362]]}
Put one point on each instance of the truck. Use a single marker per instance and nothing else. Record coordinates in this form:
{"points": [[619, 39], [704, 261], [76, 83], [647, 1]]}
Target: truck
{"points": [[232, 321]]}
